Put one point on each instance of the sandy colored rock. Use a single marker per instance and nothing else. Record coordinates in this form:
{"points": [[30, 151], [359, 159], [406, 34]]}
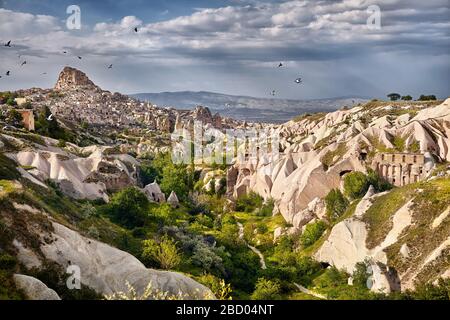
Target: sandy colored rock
{"points": [[34, 289]]}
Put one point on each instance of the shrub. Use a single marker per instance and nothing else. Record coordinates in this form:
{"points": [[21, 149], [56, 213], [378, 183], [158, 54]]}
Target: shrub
{"points": [[356, 185], [128, 207], [165, 213], [407, 98], [219, 288], [222, 186], [267, 209], [360, 275], [165, 253], [336, 204], [202, 253], [7, 262], [14, 118], [205, 257], [377, 182], [88, 210], [249, 202], [11, 102], [266, 290], [429, 291], [212, 186], [61, 143], [312, 233], [427, 98]]}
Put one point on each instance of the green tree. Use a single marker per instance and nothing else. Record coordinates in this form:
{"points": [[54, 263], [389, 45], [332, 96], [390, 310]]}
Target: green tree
{"points": [[407, 98], [356, 185], [164, 252], [423, 97], [312, 233], [212, 186], [128, 207], [14, 118], [222, 186], [360, 275], [377, 182], [429, 291], [394, 96], [267, 290], [336, 204], [175, 178], [11, 102], [249, 202]]}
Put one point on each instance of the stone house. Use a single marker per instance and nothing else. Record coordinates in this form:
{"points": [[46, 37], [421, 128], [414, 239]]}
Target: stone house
{"points": [[27, 119], [400, 169]]}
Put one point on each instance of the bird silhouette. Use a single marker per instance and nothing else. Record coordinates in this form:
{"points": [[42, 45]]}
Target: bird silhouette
{"points": [[8, 44], [280, 65], [273, 93], [298, 80], [44, 72], [23, 63], [79, 57], [110, 66], [7, 73], [64, 52], [136, 29]]}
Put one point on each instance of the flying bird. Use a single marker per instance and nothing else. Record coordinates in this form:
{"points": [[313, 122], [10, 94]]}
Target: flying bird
{"points": [[273, 93], [44, 72], [136, 29], [79, 57], [23, 63], [280, 65], [50, 117], [298, 80], [110, 66], [7, 73], [8, 44], [64, 52]]}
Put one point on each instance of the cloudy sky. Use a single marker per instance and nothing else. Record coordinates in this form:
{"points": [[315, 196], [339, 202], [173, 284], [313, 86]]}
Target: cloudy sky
{"points": [[233, 46]]}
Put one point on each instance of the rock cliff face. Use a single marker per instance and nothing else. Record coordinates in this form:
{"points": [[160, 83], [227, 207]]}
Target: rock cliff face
{"points": [[71, 78], [319, 151], [107, 270], [34, 289], [103, 268], [78, 177]]}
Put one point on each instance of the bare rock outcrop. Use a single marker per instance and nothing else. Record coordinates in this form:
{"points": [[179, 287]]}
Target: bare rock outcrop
{"points": [[107, 270], [34, 289], [71, 78]]}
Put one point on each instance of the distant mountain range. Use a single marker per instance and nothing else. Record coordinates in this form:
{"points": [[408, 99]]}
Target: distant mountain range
{"points": [[247, 108]]}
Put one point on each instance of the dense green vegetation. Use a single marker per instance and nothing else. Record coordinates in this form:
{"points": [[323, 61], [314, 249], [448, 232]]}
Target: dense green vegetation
{"points": [[202, 239]]}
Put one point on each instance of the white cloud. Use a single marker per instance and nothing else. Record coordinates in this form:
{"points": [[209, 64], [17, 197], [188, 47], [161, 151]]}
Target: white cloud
{"points": [[246, 33]]}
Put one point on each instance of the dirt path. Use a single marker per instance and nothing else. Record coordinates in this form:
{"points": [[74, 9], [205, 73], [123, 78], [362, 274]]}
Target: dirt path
{"points": [[260, 255], [311, 293]]}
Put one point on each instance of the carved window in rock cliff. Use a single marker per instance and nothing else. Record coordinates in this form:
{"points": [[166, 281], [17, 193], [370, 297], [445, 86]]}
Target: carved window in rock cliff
{"points": [[415, 159], [403, 158]]}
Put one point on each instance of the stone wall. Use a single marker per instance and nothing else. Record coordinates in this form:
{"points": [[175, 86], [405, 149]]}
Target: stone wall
{"points": [[400, 168]]}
